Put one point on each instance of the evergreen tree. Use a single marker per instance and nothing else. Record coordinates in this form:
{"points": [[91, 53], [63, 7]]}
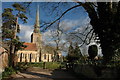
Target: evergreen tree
{"points": [[74, 53], [70, 55], [77, 52], [11, 27]]}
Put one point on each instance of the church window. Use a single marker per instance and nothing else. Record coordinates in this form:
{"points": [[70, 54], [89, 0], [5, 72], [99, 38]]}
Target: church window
{"points": [[21, 55], [31, 56], [44, 56], [25, 55]]}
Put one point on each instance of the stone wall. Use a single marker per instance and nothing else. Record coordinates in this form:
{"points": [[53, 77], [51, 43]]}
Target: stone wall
{"points": [[3, 61], [91, 71]]}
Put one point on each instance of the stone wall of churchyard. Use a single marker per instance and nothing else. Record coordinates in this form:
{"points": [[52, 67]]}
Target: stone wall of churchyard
{"points": [[96, 71]]}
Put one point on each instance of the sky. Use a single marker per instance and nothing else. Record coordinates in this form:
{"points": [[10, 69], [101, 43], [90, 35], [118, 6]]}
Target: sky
{"points": [[70, 22], [72, 18]]}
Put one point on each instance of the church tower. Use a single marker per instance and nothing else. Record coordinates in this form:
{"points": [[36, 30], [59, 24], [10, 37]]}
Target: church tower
{"points": [[36, 35]]}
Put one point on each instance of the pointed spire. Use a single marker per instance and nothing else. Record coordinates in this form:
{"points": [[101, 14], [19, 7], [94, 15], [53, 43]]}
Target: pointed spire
{"points": [[37, 17], [37, 24]]}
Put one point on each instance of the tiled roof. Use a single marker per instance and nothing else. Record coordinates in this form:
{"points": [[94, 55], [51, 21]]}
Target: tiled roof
{"points": [[30, 46]]}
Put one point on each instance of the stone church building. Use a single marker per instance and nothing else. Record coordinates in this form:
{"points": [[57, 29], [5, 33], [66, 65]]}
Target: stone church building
{"points": [[36, 51]]}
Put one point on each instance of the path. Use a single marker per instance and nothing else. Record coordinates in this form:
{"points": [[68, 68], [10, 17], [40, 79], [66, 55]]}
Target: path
{"points": [[43, 74]]}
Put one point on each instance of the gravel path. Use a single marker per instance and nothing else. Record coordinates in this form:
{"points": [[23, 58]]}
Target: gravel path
{"points": [[43, 74]]}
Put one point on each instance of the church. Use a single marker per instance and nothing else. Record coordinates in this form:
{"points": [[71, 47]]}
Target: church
{"points": [[36, 51]]}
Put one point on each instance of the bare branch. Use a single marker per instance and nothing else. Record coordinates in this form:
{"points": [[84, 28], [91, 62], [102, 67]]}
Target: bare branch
{"points": [[28, 3], [77, 33], [90, 38], [62, 15], [86, 37]]}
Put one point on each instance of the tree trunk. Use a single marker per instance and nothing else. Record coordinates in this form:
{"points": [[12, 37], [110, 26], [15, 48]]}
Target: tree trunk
{"points": [[40, 53], [12, 55], [104, 23]]}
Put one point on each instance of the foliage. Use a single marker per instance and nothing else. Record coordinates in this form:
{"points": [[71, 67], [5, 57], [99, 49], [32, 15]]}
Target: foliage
{"points": [[11, 27], [40, 64], [116, 56], [52, 65], [105, 23], [21, 66], [77, 52], [9, 20], [70, 57], [73, 53], [8, 71], [92, 51]]}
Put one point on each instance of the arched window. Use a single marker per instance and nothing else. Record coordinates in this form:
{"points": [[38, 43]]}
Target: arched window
{"points": [[21, 57], [30, 57], [44, 56]]}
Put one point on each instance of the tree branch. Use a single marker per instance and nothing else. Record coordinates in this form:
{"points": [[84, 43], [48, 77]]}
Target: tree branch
{"points": [[86, 37], [62, 15]]}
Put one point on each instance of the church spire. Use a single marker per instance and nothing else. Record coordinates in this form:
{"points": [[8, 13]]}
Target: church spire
{"points": [[37, 24]]}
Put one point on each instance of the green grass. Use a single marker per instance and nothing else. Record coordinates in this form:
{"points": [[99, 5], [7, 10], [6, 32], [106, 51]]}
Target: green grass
{"points": [[23, 66], [52, 65], [40, 64], [48, 65]]}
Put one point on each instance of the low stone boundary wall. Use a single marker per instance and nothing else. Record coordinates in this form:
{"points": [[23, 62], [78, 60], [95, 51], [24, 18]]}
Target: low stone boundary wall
{"points": [[92, 71]]}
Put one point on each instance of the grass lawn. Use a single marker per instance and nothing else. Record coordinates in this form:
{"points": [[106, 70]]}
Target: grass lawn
{"points": [[47, 65], [23, 66]]}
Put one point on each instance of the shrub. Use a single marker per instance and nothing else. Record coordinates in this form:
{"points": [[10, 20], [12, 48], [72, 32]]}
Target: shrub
{"points": [[52, 65], [8, 71]]}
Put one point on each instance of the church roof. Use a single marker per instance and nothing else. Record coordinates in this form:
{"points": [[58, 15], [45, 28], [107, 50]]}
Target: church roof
{"points": [[30, 46]]}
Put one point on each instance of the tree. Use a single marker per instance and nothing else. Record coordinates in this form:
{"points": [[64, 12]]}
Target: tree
{"points": [[73, 53], [57, 33], [77, 52], [105, 23], [70, 53], [11, 27]]}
